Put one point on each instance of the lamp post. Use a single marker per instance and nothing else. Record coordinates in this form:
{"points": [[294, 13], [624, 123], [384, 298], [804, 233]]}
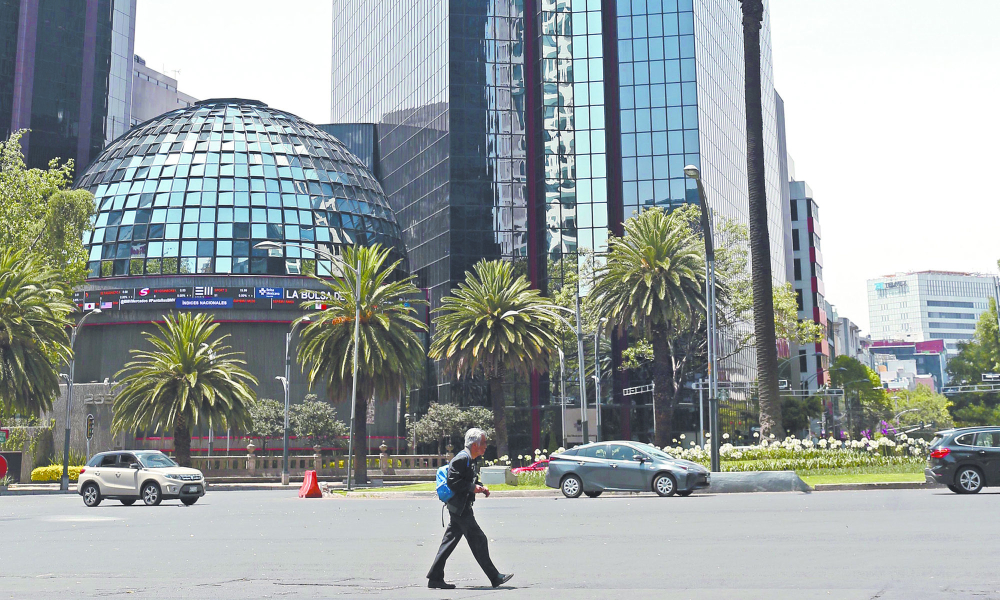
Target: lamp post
{"points": [[286, 384], [597, 374], [357, 319], [562, 393], [579, 355], [64, 482], [710, 318]]}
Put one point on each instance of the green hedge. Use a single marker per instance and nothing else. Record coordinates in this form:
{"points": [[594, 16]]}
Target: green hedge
{"points": [[54, 473]]}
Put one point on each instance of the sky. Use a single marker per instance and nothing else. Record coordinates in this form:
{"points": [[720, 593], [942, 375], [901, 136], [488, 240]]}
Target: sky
{"points": [[890, 106]]}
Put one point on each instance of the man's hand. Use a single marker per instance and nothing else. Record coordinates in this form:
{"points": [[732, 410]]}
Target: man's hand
{"points": [[482, 489]]}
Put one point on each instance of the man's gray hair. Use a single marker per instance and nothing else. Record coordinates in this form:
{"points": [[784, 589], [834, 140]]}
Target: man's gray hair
{"points": [[474, 436]]}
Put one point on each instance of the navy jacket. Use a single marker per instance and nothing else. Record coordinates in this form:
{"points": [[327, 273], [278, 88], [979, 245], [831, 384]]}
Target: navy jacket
{"points": [[462, 479]]}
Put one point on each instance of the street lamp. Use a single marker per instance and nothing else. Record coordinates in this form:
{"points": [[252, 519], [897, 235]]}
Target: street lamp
{"points": [[64, 483], [713, 378], [562, 393], [597, 373], [579, 355], [268, 245], [286, 386]]}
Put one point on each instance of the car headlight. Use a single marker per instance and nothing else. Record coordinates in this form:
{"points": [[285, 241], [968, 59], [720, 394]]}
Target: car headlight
{"points": [[172, 476]]}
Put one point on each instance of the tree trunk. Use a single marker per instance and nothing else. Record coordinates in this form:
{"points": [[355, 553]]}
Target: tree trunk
{"points": [[361, 441], [496, 400], [663, 392], [182, 441], [760, 246]]}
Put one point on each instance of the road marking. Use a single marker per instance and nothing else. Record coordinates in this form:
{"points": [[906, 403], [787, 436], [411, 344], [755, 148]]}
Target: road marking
{"points": [[77, 519]]}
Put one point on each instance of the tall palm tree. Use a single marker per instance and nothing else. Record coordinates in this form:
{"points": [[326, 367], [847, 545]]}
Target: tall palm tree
{"points": [[492, 325], [34, 315], [187, 379], [765, 341], [653, 282], [392, 355]]}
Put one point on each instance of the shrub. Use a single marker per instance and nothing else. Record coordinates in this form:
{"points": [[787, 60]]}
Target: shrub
{"points": [[54, 473]]}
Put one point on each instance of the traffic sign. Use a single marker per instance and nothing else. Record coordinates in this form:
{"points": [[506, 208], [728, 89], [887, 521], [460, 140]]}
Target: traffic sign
{"points": [[3, 466], [991, 377], [4, 434], [90, 427]]}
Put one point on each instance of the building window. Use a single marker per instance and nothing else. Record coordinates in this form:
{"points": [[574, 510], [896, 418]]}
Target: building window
{"points": [[937, 325], [798, 269], [795, 240], [798, 299], [795, 210], [946, 304]]}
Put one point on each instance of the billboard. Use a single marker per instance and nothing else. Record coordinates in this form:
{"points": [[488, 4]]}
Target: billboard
{"points": [[198, 297]]}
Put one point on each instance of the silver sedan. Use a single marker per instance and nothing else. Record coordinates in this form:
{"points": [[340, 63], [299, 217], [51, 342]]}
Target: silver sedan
{"points": [[623, 466]]}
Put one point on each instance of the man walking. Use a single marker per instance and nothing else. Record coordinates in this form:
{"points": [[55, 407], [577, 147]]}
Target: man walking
{"points": [[464, 482]]}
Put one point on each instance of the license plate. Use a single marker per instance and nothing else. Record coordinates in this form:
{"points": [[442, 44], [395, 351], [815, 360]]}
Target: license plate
{"points": [[192, 489]]}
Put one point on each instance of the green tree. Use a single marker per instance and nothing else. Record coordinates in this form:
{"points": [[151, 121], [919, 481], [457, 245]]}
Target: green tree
{"points": [[34, 314], [979, 355], [797, 413], [922, 405], [445, 423], [187, 379], [316, 421], [392, 355], [267, 420], [868, 403], [41, 215], [653, 284], [492, 325]]}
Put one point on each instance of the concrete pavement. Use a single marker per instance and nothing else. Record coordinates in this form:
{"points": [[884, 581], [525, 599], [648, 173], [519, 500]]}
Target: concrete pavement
{"points": [[891, 544]]}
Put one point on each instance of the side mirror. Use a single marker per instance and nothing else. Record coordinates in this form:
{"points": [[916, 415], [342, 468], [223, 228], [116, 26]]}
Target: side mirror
{"points": [[639, 457], [135, 466]]}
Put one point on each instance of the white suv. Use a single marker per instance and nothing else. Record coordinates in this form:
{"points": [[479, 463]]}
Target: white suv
{"points": [[147, 474]]}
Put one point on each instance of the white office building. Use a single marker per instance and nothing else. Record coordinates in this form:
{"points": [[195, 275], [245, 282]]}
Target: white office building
{"points": [[928, 305]]}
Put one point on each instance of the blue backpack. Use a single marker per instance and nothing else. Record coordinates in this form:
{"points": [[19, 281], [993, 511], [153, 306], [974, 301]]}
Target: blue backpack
{"points": [[444, 492]]}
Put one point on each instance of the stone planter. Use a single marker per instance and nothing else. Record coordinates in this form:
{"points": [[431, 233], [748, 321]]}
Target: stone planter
{"points": [[497, 475]]}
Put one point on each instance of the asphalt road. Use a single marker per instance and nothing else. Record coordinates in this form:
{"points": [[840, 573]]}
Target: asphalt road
{"points": [[900, 544]]}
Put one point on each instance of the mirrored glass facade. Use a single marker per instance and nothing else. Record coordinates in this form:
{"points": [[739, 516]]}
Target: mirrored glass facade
{"points": [[65, 74], [192, 192]]}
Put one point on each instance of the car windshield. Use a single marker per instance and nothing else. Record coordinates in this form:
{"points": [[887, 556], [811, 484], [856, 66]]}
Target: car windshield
{"points": [[158, 459], [654, 451]]}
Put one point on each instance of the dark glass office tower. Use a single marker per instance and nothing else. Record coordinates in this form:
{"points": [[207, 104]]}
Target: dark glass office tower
{"points": [[65, 74], [533, 128]]}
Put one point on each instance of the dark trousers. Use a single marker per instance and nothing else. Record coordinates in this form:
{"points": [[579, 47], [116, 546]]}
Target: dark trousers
{"points": [[463, 525]]}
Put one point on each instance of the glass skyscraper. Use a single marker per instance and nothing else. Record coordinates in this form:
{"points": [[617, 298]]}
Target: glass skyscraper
{"points": [[532, 128], [66, 74]]}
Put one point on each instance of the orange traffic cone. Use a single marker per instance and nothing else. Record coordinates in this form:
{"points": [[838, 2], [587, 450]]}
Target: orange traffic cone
{"points": [[310, 486]]}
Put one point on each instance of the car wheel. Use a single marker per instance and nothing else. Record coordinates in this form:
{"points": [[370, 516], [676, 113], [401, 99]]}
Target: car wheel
{"points": [[970, 480], [91, 495], [665, 484], [593, 494], [151, 494], [685, 493], [189, 501], [127, 501], [572, 486]]}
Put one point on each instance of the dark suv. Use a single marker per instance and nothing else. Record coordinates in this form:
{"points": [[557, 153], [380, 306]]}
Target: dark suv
{"points": [[965, 459]]}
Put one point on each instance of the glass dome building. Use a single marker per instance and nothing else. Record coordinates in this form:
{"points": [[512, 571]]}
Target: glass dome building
{"points": [[192, 191], [182, 201]]}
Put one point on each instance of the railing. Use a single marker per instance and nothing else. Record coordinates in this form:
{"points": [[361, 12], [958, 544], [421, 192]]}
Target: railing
{"points": [[252, 465]]}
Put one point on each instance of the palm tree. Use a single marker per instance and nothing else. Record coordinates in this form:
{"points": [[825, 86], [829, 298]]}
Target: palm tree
{"points": [[392, 355], [34, 315], [760, 246], [491, 325], [653, 284], [187, 379]]}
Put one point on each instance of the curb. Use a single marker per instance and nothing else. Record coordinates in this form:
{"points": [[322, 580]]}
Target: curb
{"points": [[898, 485], [36, 491], [431, 494]]}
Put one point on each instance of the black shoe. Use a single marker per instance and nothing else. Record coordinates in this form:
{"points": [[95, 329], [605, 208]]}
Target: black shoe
{"points": [[440, 584], [502, 579]]}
